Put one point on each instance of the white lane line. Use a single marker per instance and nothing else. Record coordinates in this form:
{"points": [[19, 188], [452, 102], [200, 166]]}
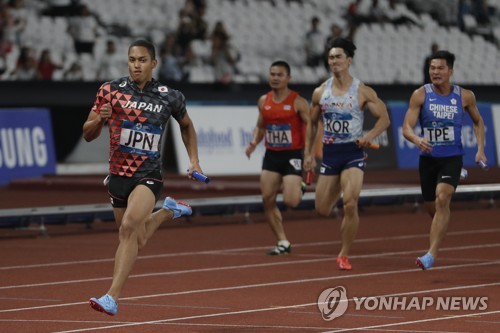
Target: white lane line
{"points": [[213, 269], [294, 306], [243, 249], [260, 285], [420, 321]]}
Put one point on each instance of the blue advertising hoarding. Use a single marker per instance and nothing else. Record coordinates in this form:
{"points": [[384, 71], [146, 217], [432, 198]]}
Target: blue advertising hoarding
{"points": [[407, 153], [26, 144]]}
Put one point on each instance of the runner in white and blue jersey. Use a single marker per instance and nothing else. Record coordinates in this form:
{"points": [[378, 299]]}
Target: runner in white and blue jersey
{"points": [[340, 103], [439, 108]]}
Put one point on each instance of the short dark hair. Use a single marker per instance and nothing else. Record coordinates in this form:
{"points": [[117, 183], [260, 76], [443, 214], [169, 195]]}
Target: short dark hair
{"points": [[282, 63], [345, 44], [446, 55], [147, 44]]}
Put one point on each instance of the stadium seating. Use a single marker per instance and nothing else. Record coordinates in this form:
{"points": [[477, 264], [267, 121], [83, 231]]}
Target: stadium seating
{"points": [[265, 30]]}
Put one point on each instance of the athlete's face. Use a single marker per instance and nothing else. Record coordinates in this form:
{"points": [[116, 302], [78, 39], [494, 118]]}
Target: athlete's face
{"points": [[140, 65], [439, 71], [278, 77], [338, 61]]}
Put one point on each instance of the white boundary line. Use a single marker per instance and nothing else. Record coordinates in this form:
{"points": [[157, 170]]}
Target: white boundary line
{"points": [[410, 322], [242, 249], [302, 305], [292, 281], [259, 285], [219, 268]]}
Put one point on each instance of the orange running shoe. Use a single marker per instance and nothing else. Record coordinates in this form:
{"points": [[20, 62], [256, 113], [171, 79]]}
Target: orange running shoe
{"points": [[343, 263]]}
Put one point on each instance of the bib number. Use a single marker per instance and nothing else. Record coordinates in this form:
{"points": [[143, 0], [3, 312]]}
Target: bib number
{"points": [[279, 136]]}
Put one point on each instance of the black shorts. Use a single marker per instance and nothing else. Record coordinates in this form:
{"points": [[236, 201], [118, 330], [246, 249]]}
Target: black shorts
{"points": [[435, 170], [284, 162], [119, 188]]}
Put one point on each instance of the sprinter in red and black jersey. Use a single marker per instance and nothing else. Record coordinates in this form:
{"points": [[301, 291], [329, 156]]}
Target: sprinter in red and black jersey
{"points": [[283, 122], [136, 110]]}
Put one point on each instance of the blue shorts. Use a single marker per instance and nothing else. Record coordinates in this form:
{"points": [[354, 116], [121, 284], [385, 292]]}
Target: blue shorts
{"points": [[341, 156]]}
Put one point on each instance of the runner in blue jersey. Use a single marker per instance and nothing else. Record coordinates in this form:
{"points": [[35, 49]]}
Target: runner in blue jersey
{"points": [[340, 103], [439, 107]]}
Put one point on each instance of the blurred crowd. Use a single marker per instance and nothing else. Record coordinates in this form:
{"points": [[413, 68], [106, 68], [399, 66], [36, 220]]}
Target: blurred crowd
{"points": [[175, 51]]}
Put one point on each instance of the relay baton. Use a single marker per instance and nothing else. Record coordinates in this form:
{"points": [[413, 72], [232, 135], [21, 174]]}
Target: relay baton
{"points": [[309, 177], [371, 145], [201, 177], [483, 165]]}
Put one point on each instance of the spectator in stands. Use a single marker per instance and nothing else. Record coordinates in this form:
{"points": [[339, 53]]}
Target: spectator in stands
{"points": [[84, 29], [376, 14], [46, 66], [184, 36], [427, 62], [441, 154], [112, 64], [135, 180], [283, 115], [74, 72], [3, 57], [340, 103], [171, 66], [195, 10], [224, 56], [19, 17], [335, 32], [26, 67], [354, 18], [398, 13], [314, 44]]}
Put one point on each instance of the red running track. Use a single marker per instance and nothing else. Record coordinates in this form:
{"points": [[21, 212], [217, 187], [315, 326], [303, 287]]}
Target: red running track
{"points": [[216, 278]]}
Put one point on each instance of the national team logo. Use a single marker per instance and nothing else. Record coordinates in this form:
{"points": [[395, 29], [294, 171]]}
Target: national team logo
{"points": [[267, 107], [287, 107], [123, 84], [162, 89], [453, 101]]}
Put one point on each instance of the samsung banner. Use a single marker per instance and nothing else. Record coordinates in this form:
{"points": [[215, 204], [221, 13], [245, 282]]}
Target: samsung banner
{"points": [[26, 144], [408, 154], [223, 135]]}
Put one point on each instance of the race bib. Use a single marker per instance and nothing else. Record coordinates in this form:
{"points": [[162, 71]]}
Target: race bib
{"points": [[440, 136], [140, 139], [279, 135], [337, 125]]}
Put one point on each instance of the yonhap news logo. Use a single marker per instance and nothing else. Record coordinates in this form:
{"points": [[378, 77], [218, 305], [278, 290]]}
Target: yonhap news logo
{"points": [[333, 303]]}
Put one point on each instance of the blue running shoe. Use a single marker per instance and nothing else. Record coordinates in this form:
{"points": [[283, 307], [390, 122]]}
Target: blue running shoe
{"points": [[179, 208], [104, 304], [426, 261]]}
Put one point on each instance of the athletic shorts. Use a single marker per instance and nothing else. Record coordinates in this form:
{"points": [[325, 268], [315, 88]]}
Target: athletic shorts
{"points": [[434, 170], [119, 187], [284, 162], [342, 156]]}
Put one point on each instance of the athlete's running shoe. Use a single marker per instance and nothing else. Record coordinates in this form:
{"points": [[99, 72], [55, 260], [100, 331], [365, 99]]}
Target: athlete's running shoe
{"points": [[280, 250], [343, 263], [425, 262], [104, 304], [179, 208]]}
